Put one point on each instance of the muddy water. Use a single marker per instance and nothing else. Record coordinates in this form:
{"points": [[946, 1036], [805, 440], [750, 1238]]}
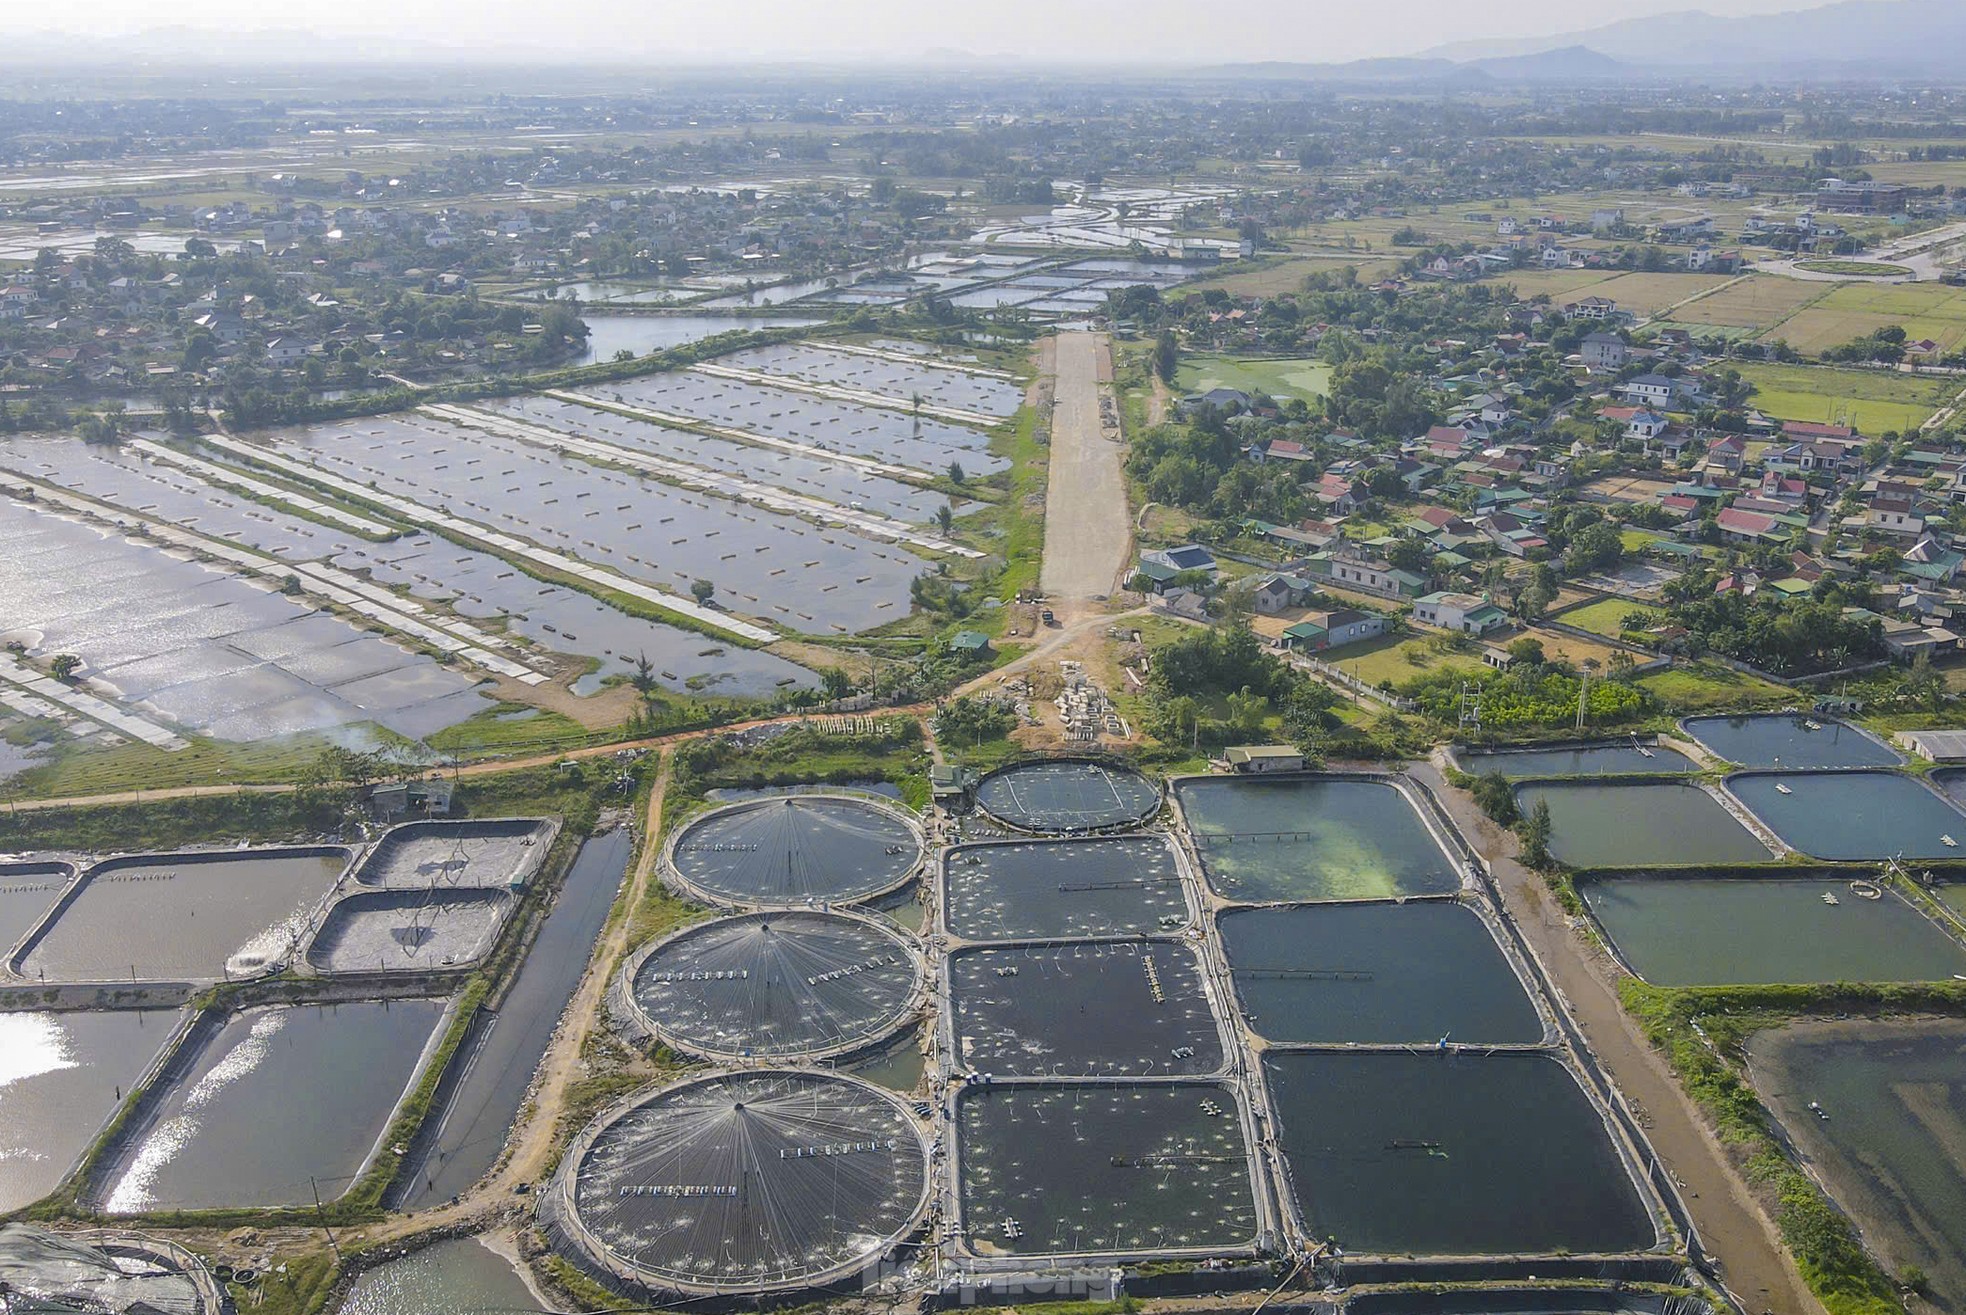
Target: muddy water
{"points": [[459, 1275]]}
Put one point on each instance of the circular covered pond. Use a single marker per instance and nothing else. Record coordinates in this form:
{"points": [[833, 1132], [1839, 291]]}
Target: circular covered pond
{"points": [[744, 1182], [1066, 796], [797, 850], [774, 985]]}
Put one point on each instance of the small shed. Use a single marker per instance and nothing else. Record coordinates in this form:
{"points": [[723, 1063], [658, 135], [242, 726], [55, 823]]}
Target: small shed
{"points": [[1258, 759], [1941, 746]]}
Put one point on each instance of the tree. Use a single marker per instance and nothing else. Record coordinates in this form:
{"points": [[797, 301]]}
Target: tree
{"points": [[1167, 356], [1528, 651], [957, 475], [1596, 547], [65, 665], [944, 518], [1535, 833], [836, 683], [1494, 797], [702, 590]]}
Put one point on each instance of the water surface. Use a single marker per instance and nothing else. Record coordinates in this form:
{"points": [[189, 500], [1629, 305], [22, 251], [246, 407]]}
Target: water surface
{"points": [[458, 1276], [1785, 739], [1649, 824], [1853, 815], [1313, 840], [1613, 758]]}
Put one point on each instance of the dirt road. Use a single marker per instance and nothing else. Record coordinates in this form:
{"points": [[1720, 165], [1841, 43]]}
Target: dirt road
{"points": [[1086, 530], [1732, 1225]]}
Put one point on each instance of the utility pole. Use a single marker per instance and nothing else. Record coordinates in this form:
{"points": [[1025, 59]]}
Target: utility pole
{"points": [[322, 1215]]}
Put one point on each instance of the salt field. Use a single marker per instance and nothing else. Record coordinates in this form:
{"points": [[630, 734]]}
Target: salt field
{"points": [[61, 1077], [1065, 796], [1065, 1168], [1612, 758], [1451, 1154], [1789, 739], [376, 931], [1641, 824], [267, 1100], [1111, 1009], [1381, 974], [1853, 815], [1318, 839], [797, 850], [1719, 931], [206, 649], [184, 917], [1034, 889]]}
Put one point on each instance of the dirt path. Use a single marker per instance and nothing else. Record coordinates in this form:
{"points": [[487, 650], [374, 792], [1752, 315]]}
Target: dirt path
{"points": [[1732, 1225], [1086, 532]]}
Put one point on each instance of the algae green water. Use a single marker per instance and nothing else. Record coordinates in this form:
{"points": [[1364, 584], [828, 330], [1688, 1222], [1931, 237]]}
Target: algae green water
{"points": [[1313, 840]]}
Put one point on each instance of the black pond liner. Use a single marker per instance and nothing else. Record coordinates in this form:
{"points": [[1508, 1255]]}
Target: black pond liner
{"points": [[796, 851], [1068, 796], [1039, 889]]}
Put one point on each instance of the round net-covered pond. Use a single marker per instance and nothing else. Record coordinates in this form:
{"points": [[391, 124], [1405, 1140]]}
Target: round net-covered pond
{"points": [[1853, 815], [748, 1180], [796, 850], [775, 984], [1720, 931], [1034, 889], [1451, 1154], [1789, 739], [1067, 796], [1640, 824], [1063, 1168], [1112, 1008], [1608, 758], [1312, 839], [1387, 974]]}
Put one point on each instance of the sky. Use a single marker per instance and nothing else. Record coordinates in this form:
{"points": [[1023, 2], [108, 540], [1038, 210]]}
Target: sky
{"points": [[1184, 31]]}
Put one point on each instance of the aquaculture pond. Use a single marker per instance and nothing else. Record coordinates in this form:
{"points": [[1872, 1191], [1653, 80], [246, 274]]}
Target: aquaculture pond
{"points": [[1611, 758], [471, 1116], [1110, 1009], [1110, 886], [1706, 931], [489, 853], [642, 334], [1451, 1154], [459, 1274], [937, 383], [267, 1100], [376, 931], [1062, 1168], [1789, 739], [1641, 824], [797, 850], [27, 892], [1067, 796], [1319, 839], [184, 917], [1386, 974], [61, 1077], [1878, 1110], [1853, 815]]}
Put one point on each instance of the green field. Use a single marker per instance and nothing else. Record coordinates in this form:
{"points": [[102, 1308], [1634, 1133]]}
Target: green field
{"points": [[1852, 310], [1280, 377], [1853, 269], [1699, 686], [1756, 302], [1397, 659], [1604, 617], [1871, 401]]}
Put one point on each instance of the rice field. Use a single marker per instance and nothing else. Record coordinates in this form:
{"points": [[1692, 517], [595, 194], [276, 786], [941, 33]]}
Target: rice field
{"points": [[1872, 401], [1755, 303], [1852, 310]]}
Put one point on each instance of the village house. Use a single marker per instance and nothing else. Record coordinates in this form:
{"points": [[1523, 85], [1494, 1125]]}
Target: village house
{"points": [[1353, 569], [1604, 351], [1332, 628], [1464, 613]]}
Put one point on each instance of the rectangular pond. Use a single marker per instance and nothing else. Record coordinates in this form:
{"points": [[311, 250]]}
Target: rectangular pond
{"points": [[1789, 739], [27, 892], [1312, 839], [61, 1076], [1382, 974], [267, 1100], [1724, 931], [456, 1275], [1031, 890], [1641, 824], [1109, 1009], [903, 381], [642, 334], [1888, 1136], [1446, 1154], [1853, 815], [184, 917], [1610, 758], [1065, 1168]]}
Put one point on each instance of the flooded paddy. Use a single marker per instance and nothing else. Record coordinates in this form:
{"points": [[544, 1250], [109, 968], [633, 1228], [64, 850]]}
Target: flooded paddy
{"points": [[1853, 815], [375, 931], [1381, 974], [1636, 825], [471, 1117], [642, 334], [797, 850], [488, 853], [61, 1076], [1611, 758], [204, 648], [881, 433], [746, 1180], [27, 892], [267, 1099], [1315, 839], [775, 984], [1789, 739], [773, 566], [1065, 1168], [1449, 1154], [816, 363], [456, 1275], [1068, 795], [1111, 1009], [1032, 890], [1716, 931], [1889, 1142], [184, 917]]}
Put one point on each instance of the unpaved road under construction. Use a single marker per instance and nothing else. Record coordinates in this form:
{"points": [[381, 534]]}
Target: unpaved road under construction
{"points": [[1086, 533]]}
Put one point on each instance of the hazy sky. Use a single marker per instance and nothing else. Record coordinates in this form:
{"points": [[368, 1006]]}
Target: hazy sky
{"points": [[1184, 30]]}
